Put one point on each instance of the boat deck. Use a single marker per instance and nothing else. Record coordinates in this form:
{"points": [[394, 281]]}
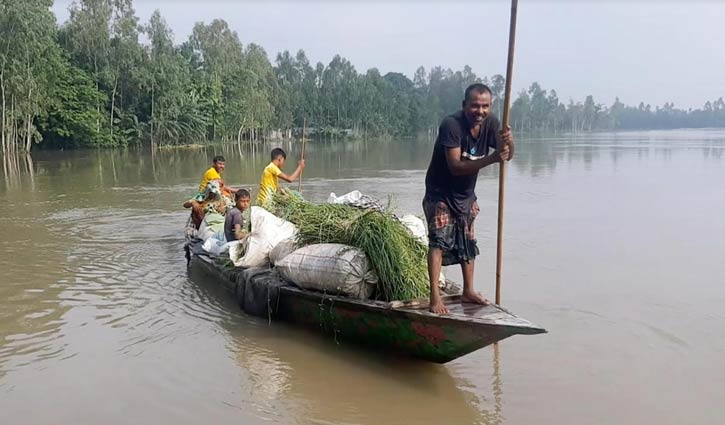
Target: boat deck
{"points": [[475, 313]]}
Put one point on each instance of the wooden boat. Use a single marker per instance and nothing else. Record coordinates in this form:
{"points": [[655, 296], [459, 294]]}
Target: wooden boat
{"points": [[404, 327]]}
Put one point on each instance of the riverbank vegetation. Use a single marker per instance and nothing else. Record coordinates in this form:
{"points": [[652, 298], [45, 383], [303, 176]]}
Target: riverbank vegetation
{"points": [[103, 78]]}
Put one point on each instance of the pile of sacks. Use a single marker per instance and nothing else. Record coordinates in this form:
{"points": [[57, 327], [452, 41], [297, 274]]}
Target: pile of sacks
{"points": [[331, 268]]}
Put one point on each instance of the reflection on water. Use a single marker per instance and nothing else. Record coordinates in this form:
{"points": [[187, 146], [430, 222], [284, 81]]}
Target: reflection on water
{"points": [[340, 384], [612, 242]]}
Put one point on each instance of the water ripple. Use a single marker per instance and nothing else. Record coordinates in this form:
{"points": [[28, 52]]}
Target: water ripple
{"points": [[126, 271]]}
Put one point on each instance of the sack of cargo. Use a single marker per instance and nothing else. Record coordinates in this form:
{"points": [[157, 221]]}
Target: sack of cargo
{"points": [[211, 226], [416, 227], [355, 199], [283, 249], [217, 247], [331, 268], [267, 231]]}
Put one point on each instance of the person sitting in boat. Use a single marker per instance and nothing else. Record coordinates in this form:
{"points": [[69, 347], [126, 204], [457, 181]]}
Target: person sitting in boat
{"points": [[234, 228], [449, 204], [273, 172], [216, 199], [214, 208], [198, 201]]}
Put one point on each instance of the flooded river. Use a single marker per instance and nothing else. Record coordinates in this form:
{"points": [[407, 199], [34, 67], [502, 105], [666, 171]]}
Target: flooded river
{"points": [[613, 242]]}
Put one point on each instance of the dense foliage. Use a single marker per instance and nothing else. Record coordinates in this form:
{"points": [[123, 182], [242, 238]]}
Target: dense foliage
{"points": [[395, 254], [92, 82]]}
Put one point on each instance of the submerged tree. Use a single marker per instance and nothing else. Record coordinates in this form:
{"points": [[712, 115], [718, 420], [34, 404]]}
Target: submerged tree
{"points": [[28, 58], [93, 82]]}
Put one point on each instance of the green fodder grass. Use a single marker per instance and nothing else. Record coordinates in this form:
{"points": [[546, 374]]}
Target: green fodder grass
{"points": [[398, 258]]}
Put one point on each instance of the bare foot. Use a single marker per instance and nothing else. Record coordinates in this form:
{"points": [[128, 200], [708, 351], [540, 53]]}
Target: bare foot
{"points": [[474, 298], [437, 307]]}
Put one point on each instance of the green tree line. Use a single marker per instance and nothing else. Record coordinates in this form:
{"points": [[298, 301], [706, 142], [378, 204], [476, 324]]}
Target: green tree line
{"points": [[93, 82]]}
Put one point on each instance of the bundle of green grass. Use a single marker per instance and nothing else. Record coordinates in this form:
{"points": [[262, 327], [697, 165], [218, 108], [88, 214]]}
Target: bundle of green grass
{"points": [[398, 257]]}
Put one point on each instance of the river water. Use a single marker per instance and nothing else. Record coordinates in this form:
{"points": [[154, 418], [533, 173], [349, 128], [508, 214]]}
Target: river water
{"points": [[614, 242]]}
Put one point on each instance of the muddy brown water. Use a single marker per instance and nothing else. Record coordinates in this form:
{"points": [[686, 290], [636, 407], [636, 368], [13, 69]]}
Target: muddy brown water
{"points": [[613, 242]]}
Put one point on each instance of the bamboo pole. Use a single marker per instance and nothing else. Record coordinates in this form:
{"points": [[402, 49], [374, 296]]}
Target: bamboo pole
{"points": [[304, 143], [502, 165], [497, 385]]}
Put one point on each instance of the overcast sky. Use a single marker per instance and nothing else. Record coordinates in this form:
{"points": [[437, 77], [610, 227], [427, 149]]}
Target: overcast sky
{"points": [[651, 51]]}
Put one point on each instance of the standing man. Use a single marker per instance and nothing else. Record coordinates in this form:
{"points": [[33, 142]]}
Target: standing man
{"points": [[461, 149]]}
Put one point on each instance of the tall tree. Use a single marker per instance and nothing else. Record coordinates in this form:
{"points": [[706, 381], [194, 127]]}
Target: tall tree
{"points": [[92, 82], [125, 61], [28, 53], [218, 61], [177, 110], [86, 37]]}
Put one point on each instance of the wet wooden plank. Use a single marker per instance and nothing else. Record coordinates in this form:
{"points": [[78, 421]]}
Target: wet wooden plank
{"points": [[422, 303]]}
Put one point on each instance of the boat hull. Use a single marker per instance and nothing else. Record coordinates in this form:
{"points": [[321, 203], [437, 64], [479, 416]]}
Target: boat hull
{"points": [[405, 328]]}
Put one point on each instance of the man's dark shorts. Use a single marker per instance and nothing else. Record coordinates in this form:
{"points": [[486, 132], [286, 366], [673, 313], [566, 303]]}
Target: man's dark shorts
{"points": [[453, 235]]}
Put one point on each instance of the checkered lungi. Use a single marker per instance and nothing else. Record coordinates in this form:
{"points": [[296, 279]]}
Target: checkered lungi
{"points": [[453, 234]]}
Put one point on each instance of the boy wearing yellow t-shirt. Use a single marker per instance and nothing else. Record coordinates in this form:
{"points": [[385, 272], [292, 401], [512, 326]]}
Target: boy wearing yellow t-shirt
{"points": [[273, 172], [196, 203], [213, 173]]}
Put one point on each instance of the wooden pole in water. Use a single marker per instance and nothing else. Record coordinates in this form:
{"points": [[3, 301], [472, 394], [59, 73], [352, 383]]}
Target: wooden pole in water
{"points": [[304, 142], [502, 165]]}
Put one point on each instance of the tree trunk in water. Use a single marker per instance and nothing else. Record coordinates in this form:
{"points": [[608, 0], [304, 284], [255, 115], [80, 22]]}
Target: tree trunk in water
{"points": [[31, 169], [98, 109], [239, 140], [113, 105], [29, 126], [251, 130], [29, 134], [5, 167], [152, 115], [13, 130], [2, 129], [239, 134]]}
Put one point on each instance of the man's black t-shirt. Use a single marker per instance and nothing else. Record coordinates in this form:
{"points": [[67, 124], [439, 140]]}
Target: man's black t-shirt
{"points": [[455, 132]]}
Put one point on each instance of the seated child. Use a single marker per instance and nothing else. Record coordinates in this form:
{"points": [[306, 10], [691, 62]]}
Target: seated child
{"points": [[234, 222]]}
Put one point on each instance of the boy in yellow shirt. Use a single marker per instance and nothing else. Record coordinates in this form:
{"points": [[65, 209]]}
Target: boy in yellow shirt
{"points": [[213, 173], [197, 202], [273, 172]]}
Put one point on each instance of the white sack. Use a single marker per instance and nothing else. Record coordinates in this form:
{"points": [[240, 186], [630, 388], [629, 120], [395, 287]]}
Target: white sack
{"points": [[282, 250], [331, 268], [267, 231], [348, 198], [355, 199], [216, 247], [417, 227]]}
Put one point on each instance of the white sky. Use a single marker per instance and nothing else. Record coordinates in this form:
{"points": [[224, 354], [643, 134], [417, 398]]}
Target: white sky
{"points": [[652, 51]]}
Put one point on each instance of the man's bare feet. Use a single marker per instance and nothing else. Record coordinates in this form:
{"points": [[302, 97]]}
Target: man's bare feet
{"points": [[437, 307], [474, 297]]}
